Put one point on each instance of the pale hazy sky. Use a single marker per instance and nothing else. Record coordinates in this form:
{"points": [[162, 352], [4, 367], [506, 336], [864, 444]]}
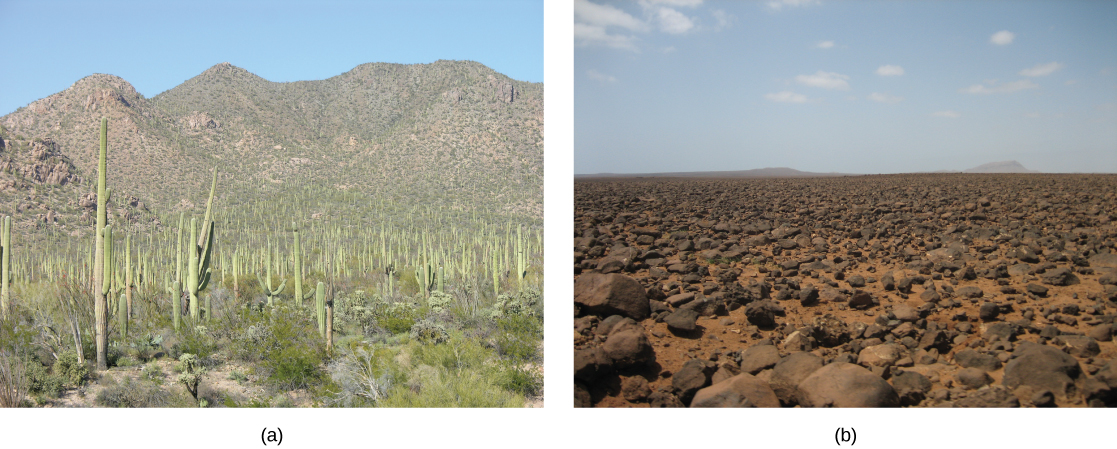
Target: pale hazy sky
{"points": [[847, 86]]}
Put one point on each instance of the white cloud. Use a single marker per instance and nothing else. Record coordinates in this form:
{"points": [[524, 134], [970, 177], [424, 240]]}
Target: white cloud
{"points": [[680, 3], [825, 44], [890, 70], [595, 35], [994, 88], [885, 98], [595, 75], [947, 114], [1002, 38], [605, 16], [673, 21], [724, 20], [825, 80], [1042, 69], [777, 5], [787, 97]]}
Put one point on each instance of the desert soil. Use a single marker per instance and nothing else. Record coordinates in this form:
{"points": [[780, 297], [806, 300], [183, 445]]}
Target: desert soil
{"points": [[938, 290]]}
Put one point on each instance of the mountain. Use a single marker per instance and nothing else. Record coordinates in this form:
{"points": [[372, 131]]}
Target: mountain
{"points": [[449, 134], [770, 172], [1000, 167]]}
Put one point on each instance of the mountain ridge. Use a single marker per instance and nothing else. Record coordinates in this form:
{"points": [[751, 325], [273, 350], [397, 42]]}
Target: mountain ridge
{"points": [[448, 133]]}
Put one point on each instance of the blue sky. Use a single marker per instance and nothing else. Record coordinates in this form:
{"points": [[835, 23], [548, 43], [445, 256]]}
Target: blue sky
{"points": [[850, 86], [156, 45]]}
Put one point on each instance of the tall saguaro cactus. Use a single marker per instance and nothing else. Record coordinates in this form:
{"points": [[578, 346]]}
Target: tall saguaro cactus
{"points": [[298, 255], [5, 265], [198, 273], [100, 280]]}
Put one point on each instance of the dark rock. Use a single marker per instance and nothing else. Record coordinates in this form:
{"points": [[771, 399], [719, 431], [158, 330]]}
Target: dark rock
{"points": [[590, 363], [930, 295], [856, 281], [1043, 398], [904, 312], [682, 321], [1081, 345], [808, 296], [611, 294], [762, 313], [846, 385], [972, 359], [635, 389], [988, 311], [904, 285], [830, 331], [1042, 367], [1059, 276], [607, 324], [759, 357], [664, 399], [791, 370], [1102, 332], [743, 390], [1000, 331], [911, 386], [680, 299], [861, 300], [888, 282], [628, 346], [995, 396], [1036, 289], [582, 396], [1108, 374], [972, 378], [969, 291], [706, 306], [693, 376]]}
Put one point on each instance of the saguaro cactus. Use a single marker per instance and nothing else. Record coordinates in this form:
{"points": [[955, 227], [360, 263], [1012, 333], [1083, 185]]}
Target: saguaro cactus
{"points": [[100, 267], [320, 306], [267, 287], [5, 264], [199, 271], [298, 255]]}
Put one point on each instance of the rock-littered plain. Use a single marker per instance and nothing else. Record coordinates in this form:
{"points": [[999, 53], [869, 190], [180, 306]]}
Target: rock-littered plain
{"points": [[931, 290]]}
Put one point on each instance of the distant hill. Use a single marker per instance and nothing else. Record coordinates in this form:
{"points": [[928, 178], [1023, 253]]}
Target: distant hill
{"points": [[770, 172], [453, 134], [1000, 167]]}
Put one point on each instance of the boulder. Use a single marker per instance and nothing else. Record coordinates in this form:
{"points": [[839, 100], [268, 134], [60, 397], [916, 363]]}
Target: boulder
{"points": [[846, 385], [693, 376], [789, 372], [1042, 368], [759, 357], [683, 320], [628, 346], [742, 390], [611, 294]]}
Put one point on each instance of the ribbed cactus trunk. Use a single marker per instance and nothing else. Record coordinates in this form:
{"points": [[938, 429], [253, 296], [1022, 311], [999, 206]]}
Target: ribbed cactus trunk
{"points": [[100, 281], [192, 272], [5, 265], [298, 255], [128, 274], [122, 317], [320, 307], [176, 289], [330, 325]]}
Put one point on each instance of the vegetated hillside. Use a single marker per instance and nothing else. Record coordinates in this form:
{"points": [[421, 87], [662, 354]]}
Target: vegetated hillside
{"points": [[450, 134]]}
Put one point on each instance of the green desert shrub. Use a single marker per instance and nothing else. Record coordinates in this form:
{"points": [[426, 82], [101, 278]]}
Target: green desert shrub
{"points": [[42, 381], [518, 336], [130, 393], [439, 302], [519, 379], [397, 317], [72, 371]]}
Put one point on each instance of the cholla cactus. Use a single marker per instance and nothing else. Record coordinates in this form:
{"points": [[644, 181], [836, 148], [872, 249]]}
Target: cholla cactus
{"points": [[439, 302], [192, 373], [429, 332]]}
